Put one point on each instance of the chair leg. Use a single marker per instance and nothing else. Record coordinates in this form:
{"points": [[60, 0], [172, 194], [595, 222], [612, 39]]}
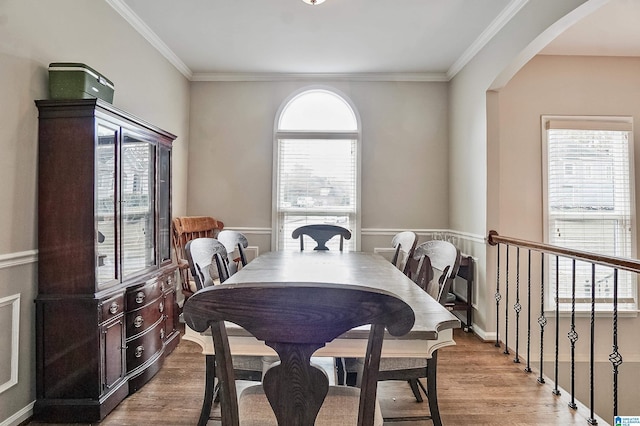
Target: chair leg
{"points": [[422, 387], [340, 371], [209, 389], [413, 383]]}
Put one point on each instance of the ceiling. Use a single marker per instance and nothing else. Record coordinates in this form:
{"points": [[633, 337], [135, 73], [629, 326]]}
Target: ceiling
{"points": [[420, 40]]}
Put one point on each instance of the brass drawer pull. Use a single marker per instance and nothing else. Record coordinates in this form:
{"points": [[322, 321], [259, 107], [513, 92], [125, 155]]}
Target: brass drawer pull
{"points": [[113, 309], [138, 321], [140, 297], [139, 351], [162, 333]]}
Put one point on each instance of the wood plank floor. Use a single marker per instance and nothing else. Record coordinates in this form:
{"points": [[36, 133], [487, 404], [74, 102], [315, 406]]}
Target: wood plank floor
{"points": [[477, 385]]}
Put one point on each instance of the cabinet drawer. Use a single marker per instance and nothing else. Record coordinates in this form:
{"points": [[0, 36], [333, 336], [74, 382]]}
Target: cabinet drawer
{"points": [[111, 307], [139, 320], [144, 347], [143, 295]]}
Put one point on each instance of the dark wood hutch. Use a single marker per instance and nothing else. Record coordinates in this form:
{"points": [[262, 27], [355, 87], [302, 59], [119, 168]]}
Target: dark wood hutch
{"points": [[106, 313]]}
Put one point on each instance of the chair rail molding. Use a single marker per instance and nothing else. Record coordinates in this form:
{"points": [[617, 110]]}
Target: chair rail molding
{"points": [[18, 258], [11, 304], [427, 232], [250, 230]]}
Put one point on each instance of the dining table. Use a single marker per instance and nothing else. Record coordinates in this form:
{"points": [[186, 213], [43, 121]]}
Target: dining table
{"points": [[432, 330]]}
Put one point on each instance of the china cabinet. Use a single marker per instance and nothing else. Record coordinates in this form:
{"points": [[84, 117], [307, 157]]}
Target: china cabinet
{"points": [[106, 312]]}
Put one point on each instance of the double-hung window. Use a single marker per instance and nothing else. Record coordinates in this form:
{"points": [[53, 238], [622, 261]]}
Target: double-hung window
{"points": [[589, 205], [316, 164]]}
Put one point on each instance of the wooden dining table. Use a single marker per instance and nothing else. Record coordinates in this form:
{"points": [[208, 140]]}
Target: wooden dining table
{"points": [[433, 328]]}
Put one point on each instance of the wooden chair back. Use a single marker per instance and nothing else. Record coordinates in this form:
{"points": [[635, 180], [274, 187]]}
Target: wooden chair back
{"points": [[202, 253], [321, 233], [185, 229], [405, 244], [296, 319], [444, 258]]}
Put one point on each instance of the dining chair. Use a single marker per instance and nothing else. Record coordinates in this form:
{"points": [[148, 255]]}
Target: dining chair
{"points": [[185, 229], [295, 320], [201, 254], [405, 243], [321, 233], [209, 265], [234, 240], [434, 266]]}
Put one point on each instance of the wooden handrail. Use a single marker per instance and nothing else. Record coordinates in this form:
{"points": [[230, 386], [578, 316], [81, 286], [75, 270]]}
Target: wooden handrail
{"points": [[632, 265]]}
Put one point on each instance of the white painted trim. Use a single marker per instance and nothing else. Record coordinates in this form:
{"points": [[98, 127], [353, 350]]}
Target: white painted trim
{"points": [[20, 416], [476, 238], [138, 24], [249, 230], [18, 258], [392, 232], [467, 236], [496, 25], [319, 77], [386, 252], [484, 335], [251, 252], [494, 28], [14, 303]]}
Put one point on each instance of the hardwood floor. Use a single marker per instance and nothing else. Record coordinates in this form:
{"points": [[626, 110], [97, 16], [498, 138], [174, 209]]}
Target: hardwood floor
{"points": [[477, 385]]}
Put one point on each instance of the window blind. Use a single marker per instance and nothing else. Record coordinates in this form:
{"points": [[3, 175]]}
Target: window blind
{"points": [[317, 184], [589, 204]]}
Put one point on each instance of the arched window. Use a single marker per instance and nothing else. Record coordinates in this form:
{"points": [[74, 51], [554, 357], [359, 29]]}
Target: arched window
{"points": [[316, 163]]}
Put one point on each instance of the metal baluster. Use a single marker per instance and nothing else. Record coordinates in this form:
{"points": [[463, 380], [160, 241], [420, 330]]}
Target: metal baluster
{"points": [[615, 357], [498, 297], [528, 367], [573, 335], [506, 307], [592, 420], [517, 307], [556, 391], [542, 320]]}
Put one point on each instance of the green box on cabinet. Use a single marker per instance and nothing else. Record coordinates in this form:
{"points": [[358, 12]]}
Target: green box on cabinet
{"points": [[68, 80]]}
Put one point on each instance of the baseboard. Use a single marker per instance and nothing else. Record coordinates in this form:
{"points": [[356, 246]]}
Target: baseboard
{"points": [[20, 417], [484, 335]]}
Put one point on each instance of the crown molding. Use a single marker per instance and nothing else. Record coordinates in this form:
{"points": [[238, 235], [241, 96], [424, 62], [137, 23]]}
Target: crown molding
{"points": [[146, 32], [501, 20], [249, 76]]}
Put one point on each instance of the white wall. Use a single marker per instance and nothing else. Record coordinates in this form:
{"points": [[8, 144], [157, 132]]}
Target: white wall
{"points": [[473, 183], [32, 34], [404, 151]]}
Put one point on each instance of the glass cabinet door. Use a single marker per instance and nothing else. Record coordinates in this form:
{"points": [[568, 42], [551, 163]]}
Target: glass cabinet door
{"points": [[105, 205], [137, 189], [164, 206]]}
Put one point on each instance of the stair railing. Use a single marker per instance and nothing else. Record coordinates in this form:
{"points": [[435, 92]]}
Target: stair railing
{"points": [[554, 254]]}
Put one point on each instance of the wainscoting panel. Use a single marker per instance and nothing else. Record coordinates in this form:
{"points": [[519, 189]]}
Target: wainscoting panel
{"points": [[9, 332], [251, 252]]}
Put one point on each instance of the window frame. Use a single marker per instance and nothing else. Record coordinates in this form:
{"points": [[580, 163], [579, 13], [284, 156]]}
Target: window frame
{"points": [[315, 135], [620, 123]]}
